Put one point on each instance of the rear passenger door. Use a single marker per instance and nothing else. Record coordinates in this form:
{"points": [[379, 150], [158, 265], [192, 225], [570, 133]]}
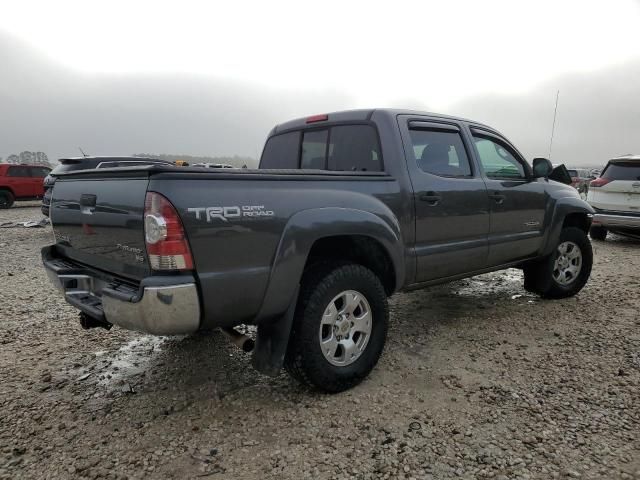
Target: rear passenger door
{"points": [[19, 180], [450, 200]]}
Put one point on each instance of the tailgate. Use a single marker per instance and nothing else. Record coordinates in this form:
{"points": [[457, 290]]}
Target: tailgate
{"points": [[99, 222], [620, 195]]}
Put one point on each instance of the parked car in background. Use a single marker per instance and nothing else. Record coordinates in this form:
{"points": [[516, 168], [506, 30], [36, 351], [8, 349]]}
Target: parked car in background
{"points": [[86, 163], [21, 182], [580, 178], [615, 197]]}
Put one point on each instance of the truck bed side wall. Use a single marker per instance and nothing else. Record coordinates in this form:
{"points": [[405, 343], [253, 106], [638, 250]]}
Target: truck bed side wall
{"points": [[236, 243]]}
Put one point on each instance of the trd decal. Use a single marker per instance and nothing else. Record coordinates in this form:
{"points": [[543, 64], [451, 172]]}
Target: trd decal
{"points": [[225, 214]]}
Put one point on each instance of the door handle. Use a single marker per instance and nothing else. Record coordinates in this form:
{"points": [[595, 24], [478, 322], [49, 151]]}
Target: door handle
{"points": [[432, 198], [497, 197]]}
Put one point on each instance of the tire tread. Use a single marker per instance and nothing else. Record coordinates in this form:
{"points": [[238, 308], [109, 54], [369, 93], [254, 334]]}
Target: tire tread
{"points": [[317, 282]]}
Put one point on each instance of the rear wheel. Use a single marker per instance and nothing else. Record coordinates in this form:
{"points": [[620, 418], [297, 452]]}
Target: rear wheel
{"points": [[564, 272], [339, 329], [6, 199], [598, 233]]}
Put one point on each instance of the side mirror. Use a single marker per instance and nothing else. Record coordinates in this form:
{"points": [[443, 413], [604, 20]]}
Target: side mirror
{"points": [[542, 168]]}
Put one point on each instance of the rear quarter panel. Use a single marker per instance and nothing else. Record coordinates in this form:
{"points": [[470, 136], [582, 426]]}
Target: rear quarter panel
{"points": [[234, 256]]}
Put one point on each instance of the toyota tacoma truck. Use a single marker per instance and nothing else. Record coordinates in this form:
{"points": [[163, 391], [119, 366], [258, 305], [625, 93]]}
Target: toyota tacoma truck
{"points": [[344, 210]]}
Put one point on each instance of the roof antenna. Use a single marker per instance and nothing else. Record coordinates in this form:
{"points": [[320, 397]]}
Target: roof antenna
{"points": [[83, 154], [553, 127]]}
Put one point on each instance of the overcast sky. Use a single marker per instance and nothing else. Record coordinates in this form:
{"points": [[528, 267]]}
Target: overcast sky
{"points": [[210, 78]]}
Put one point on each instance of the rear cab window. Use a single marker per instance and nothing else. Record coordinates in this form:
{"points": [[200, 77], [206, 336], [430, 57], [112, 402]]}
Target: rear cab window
{"points": [[314, 149], [354, 148], [281, 151], [347, 148]]}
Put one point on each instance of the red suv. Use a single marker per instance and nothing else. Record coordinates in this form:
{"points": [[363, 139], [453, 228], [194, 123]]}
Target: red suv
{"points": [[21, 182]]}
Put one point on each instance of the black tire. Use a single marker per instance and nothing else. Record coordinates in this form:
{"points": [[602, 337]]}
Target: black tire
{"points": [[598, 233], [6, 199], [539, 276], [320, 285]]}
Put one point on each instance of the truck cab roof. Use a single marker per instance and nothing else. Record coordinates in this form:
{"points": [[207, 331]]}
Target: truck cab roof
{"points": [[364, 115]]}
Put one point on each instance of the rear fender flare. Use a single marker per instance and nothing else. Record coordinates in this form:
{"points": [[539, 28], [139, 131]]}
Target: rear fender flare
{"points": [[306, 227]]}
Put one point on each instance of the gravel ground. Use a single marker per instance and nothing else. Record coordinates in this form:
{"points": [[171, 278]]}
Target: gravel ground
{"points": [[479, 380]]}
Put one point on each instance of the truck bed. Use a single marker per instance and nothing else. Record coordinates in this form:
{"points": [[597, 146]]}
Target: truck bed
{"points": [[233, 255]]}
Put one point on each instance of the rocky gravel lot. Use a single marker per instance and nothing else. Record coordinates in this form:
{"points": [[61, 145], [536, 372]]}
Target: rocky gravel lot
{"points": [[479, 380]]}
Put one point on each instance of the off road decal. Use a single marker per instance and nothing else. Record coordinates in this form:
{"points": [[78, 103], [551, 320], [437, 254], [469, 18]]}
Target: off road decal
{"points": [[225, 214]]}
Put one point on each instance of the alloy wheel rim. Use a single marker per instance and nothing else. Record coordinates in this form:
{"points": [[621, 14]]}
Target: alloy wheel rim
{"points": [[345, 328], [568, 263]]}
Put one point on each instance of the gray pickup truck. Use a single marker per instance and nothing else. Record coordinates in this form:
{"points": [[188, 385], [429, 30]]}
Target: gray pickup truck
{"points": [[344, 210]]}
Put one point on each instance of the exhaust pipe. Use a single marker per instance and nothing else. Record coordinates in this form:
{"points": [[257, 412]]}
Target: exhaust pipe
{"points": [[240, 340]]}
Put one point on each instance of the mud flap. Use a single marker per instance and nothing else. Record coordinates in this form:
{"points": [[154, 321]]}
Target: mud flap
{"points": [[538, 275], [272, 341]]}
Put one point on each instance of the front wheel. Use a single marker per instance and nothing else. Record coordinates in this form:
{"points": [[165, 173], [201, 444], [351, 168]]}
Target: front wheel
{"points": [[339, 329], [6, 199], [566, 271]]}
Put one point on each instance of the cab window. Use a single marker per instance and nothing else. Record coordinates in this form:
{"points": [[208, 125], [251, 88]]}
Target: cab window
{"points": [[314, 149], [281, 151], [342, 148], [354, 148], [440, 153], [346, 148], [496, 159]]}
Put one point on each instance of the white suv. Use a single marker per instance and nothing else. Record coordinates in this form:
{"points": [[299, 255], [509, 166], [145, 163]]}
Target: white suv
{"points": [[615, 196]]}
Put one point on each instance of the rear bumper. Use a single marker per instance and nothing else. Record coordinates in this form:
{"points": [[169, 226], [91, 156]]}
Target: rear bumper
{"points": [[616, 221], [167, 305]]}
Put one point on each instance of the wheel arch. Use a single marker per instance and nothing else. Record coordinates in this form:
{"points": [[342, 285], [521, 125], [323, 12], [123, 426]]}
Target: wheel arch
{"points": [[332, 233], [568, 212]]}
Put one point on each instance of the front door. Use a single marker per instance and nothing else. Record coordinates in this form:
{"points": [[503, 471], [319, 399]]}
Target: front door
{"points": [[450, 199], [517, 200]]}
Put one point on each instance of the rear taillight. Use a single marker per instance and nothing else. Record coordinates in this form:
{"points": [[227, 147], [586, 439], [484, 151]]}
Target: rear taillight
{"points": [[599, 182], [164, 236]]}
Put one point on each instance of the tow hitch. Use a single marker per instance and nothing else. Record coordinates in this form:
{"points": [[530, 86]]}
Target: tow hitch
{"points": [[88, 322]]}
